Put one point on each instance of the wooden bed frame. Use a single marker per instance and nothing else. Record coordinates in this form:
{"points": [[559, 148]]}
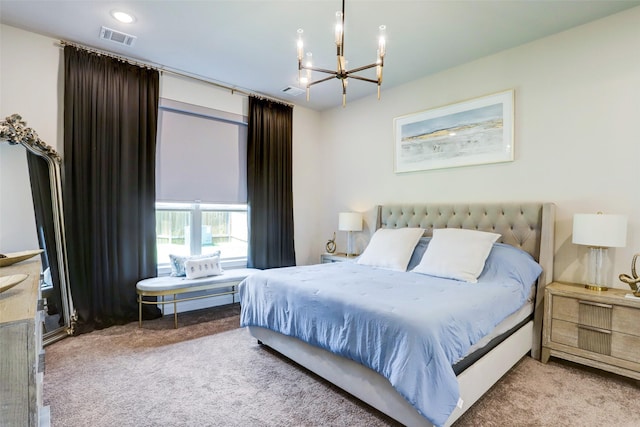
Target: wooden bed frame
{"points": [[529, 226]]}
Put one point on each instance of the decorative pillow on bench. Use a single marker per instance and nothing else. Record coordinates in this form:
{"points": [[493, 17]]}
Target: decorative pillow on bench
{"points": [[203, 267], [177, 262]]}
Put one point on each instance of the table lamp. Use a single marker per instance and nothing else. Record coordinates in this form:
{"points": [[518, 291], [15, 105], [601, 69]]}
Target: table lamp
{"points": [[599, 232], [350, 222]]}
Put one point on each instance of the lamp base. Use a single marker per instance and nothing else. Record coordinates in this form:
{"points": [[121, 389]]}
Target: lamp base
{"points": [[596, 288], [597, 263]]}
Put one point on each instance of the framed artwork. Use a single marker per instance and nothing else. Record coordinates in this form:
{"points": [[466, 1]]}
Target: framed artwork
{"points": [[472, 132]]}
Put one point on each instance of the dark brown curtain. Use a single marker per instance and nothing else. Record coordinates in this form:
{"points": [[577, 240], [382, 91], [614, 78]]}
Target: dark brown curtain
{"points": [[269, 184], [110, 121]]}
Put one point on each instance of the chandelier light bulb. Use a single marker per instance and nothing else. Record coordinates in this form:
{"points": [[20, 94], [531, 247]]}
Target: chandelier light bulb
{"points": [[300, 44], [339, 29], [382, 42]]}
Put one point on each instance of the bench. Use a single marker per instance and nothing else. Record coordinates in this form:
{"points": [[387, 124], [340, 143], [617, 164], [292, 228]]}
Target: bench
{"points": [[170, 285]]}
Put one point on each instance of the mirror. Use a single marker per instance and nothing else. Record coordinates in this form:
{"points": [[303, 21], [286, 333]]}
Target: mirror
{"points": [[46, 187]]}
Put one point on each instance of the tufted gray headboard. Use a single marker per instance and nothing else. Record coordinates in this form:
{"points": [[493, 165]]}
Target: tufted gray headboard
{"points": [[528, 226]]}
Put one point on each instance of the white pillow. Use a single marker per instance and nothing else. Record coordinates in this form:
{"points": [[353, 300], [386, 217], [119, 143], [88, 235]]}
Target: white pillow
{"points": [[202, 267], [177, 262], [456, 253], [391, 248]]}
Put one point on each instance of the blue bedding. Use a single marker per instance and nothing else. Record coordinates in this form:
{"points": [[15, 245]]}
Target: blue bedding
{"points": [[408, 327]]}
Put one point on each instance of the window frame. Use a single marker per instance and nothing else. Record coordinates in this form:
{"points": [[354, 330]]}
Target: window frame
{"points": [[195, 210], [196, 207]]}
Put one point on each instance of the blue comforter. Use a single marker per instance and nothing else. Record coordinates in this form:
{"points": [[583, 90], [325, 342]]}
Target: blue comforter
{"points": [[408, 327]]}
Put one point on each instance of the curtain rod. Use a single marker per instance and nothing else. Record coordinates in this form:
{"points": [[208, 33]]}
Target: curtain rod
{"points": [[165, 69]]}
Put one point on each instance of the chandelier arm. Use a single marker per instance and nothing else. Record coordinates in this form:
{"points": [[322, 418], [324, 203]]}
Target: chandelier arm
{"points": [[321, 80], [364, 67], [363, 79], [320, 70]]}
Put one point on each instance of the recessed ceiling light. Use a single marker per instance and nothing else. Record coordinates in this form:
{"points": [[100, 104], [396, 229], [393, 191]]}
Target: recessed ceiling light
{"points": [[123, 16]]}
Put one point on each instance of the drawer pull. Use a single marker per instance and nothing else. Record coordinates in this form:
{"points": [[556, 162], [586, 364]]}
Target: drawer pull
{"points": [[591, 328], [595, 304]]}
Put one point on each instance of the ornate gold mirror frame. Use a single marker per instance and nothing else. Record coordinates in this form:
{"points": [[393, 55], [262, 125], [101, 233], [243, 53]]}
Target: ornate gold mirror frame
{"points": [[14, 131]]}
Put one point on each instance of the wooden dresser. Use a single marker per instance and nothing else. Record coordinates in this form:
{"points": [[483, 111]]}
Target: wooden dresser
{"points": [[598, 329], [21, 352]]}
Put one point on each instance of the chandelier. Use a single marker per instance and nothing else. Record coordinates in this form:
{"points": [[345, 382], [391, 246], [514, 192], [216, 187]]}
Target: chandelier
{"points": [[341, 72]]}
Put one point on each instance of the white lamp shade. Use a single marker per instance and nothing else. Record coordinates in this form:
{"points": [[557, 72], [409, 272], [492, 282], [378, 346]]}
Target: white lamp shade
{"points": [[600, 230], [350, 221]]}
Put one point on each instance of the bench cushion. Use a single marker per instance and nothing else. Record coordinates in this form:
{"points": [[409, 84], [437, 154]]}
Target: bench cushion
{"points": [[167, 283]]}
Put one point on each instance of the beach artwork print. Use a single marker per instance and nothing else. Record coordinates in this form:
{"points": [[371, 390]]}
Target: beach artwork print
{"points": [[473, 132]]}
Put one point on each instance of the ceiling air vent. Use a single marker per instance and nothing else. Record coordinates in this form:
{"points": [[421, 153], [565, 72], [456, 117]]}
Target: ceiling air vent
{"points": [[117, 36], [293, 91]]}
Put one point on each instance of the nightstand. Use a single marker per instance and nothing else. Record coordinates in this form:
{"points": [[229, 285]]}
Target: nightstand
{"points": [[338, 257], [598, 329]]}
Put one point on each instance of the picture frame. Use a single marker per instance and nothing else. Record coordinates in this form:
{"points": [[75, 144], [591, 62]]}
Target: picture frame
{"points": [[475, 132]]}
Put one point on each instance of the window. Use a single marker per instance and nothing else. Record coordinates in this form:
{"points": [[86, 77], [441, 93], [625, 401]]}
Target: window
{"points": [[194, 229], [201, 188]]}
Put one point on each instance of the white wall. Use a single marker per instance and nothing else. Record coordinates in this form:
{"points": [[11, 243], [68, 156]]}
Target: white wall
{"points": [[30, 86], [576, 137], [309, 184]]}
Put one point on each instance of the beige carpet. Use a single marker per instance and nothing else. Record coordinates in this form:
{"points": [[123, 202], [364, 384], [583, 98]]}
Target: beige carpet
{"points": [[211, 373]]}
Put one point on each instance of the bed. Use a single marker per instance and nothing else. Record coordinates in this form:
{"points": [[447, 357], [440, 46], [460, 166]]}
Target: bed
{"points": [[368, 375]]}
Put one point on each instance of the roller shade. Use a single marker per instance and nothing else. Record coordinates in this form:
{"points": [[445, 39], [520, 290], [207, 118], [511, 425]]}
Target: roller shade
{"points": [[201, 155]]}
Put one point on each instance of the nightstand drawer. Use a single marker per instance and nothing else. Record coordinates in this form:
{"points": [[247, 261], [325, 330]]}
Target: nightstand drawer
{"points": [[598, 315], [614, 344], [586, 313], [565, 308], [626, 320], [564, 332], [582, 337], [625, 347]]}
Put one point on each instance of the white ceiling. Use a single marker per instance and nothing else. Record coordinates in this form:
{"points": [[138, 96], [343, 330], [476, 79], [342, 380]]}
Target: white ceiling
{"points": [[251, 45]]}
